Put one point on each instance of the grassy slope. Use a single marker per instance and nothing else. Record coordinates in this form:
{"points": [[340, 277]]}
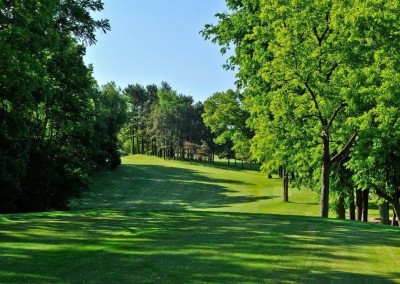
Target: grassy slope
{"points": [[149, 183], [121, 233]]}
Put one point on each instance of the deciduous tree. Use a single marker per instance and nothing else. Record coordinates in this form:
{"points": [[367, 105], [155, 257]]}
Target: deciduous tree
{"points": [[309, 70]]}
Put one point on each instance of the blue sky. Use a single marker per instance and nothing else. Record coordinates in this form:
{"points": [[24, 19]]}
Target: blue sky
{"points": [[158, 40]]}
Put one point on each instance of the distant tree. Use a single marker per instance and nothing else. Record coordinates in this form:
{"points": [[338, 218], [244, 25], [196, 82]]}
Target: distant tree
{"points": [[111, 111], [191, 150], [138, 99], [201, 132], [224, 115], [160, 120], [204, 152], [174, 120], [135, 135]]}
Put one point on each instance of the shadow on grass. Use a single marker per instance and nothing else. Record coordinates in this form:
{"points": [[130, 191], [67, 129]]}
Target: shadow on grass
{"points": [[190, 247], [155, 187]]}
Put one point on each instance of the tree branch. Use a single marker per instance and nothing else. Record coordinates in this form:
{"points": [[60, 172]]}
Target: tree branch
{"points": [[345, 150], [324, 33], [329, 74], [384, 195], [314, 99], [326, 27], [342, 106], [316, 35]]}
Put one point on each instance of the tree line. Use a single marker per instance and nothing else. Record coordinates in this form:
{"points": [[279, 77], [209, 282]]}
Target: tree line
{"points": [[319, 83], [164, 123], [57, 125]]}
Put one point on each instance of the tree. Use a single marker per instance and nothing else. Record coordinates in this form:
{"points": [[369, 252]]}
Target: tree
{"points": [[204, 152], [312, 62], [376, 154], [138, 100], [162, 122], [191, 150], [225, 116], [200, 131], [343, 191], [174, 119], [135, 135], [46, 102], [111, 113]]}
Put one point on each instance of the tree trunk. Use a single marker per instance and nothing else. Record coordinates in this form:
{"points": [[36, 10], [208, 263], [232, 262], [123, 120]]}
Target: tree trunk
{"points": [[365, 199], [359, 204], [286, 188], [384, 213], [340, 209], [133, 145], [285, 185], [229, 162], [269, 175], [326, 170], [137, 143], [396, 210], [280, 172], [327, 163], [394, 218], [235, 162], [352, 207]]}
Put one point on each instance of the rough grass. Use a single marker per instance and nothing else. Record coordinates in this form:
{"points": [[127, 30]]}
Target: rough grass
{"points": [[142, 224]]}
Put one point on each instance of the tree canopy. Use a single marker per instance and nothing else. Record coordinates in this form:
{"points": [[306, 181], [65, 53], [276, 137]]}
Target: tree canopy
{"points": [[48, 102], [311, 72], [163, 122]]}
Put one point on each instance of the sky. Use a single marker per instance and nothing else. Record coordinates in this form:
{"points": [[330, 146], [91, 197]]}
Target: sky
{"points": [[158, 40]]}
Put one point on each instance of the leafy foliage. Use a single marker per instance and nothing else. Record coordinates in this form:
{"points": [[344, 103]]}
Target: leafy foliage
{"points": [[310, 71], [161, 121], [51, 111], [224, 114]]}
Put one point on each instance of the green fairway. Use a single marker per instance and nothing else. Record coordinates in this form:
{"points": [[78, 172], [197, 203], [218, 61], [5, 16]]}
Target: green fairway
{"points": [[149, 183], [156, 221]]}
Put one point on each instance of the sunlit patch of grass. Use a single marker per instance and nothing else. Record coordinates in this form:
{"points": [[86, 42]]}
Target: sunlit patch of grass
{"points": [[150, 183], [194, 247]]}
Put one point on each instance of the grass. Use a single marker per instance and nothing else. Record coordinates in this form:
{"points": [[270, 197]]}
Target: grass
{"points": [[155, 221], [149, 183]]}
